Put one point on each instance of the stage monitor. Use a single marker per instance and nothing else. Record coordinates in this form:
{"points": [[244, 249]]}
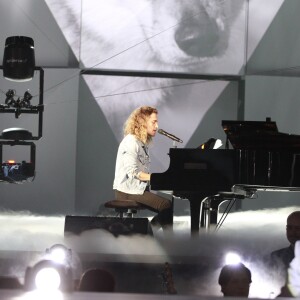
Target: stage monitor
{"points": [[115, 225]]}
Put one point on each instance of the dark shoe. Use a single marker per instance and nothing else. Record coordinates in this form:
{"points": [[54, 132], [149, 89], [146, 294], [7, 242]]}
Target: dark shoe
{"points": [[159, 222], [155, 224], [155, 221]]}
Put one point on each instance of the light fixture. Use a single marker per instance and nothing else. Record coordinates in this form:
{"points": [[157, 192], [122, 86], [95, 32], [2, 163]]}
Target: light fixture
{"points": [[53, 272], [232, 258], [60, 254], [19, 65], [16, 134], [10, 97], [50, 276], [26, 99], [17, 172], [18, 60], [211, 143], [13, 172]]}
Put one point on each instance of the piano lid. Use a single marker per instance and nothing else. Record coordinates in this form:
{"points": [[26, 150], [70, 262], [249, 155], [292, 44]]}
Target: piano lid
{"points": [[256, 135]]}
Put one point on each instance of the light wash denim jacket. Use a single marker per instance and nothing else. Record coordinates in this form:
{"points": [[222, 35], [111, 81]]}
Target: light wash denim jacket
{"points": [[132, 158]]}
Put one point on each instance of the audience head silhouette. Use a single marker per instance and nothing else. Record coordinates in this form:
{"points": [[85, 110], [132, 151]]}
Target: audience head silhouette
{"points": [[97, 280], [293, 227], [235, 280], [10, 283]]}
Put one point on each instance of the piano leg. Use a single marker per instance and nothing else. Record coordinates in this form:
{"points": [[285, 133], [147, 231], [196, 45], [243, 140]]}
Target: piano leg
{"points": [[209, 208], [172, 213], [205, 215], [208, 212], [195, 214], [204, 211]]}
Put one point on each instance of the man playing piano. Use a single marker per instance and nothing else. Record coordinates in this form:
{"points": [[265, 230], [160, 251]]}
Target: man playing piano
{"points": [[132, 172]]}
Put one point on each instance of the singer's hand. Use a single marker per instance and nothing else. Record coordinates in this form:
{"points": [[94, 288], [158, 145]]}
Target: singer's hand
{"points": [[143, 176]]}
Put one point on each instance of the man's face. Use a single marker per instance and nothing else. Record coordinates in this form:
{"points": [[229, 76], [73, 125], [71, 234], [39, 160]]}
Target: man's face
{"points": [[293, 229], [237, 286], [152, 124]]}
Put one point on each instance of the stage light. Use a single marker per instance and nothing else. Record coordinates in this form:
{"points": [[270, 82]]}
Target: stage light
{"points": [[19, 105], [49, 275], [47, 278], [16, 134], [10, 97], [60, 254], [13, 172], [211, 143], [26, 99], [232, 258], [18, 59], [53, 272]]}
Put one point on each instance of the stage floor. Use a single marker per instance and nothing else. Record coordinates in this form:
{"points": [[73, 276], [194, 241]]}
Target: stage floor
{"points": [[18, 295]]}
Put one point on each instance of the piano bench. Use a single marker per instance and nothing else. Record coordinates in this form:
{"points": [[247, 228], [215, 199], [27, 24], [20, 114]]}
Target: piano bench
{"points": [[124, 207]]}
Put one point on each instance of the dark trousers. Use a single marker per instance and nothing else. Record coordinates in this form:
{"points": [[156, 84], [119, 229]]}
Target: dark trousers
{"points": [[162, 206]]}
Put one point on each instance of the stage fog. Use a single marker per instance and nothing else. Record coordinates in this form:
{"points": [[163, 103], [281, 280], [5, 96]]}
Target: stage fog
{"points": [[195, 261]]}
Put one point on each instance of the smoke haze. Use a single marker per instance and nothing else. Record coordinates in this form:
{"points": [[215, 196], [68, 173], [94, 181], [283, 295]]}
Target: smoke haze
{"points": [[252, 234]]}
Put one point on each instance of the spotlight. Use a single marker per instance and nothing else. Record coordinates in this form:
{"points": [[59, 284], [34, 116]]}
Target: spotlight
{"points": [[13, 172], [17, 172], [53, 272], [211, 143], [19, 60], [26, 99], [19, 105], [60, 254], [50, 276], [232, 258], [10, 97]]}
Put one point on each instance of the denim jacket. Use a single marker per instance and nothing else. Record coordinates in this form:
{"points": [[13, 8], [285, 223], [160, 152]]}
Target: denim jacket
{"points": [[132, 158]]}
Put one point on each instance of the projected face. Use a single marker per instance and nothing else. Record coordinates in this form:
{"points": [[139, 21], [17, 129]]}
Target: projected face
{"points": [[192, 32], [169, 35], [163, 35]]}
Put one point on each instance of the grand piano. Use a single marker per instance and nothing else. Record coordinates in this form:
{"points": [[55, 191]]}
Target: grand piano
{"points": [[256, 157]]}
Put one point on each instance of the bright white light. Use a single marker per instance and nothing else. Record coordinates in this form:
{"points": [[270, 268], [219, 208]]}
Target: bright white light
{"points": [[45, 295], [58, 255], [232, 258], [218, 144], [47, 279]]}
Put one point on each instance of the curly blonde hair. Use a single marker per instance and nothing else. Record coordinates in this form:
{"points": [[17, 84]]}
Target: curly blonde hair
{"points": [[136, 123]]}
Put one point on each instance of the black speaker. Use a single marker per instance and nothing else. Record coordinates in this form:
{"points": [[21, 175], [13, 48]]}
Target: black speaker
{"points": [[116, 226]]}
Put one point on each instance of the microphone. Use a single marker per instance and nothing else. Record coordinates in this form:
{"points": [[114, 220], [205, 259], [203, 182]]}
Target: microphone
{"points": [[169, 135]]}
